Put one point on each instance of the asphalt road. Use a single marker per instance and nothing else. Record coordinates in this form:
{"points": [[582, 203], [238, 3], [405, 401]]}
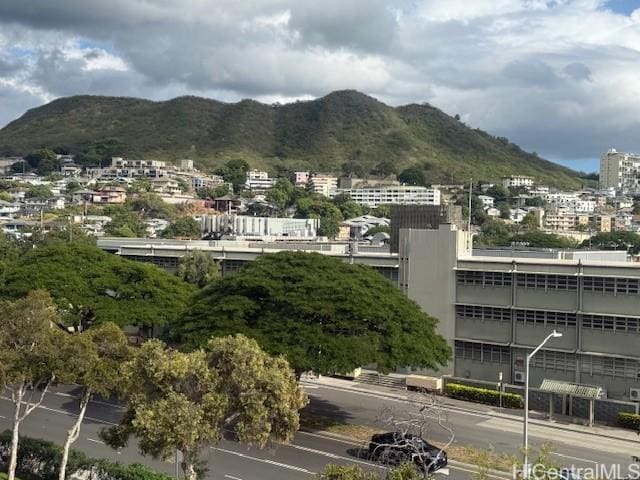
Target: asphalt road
{"points": [[308, 454], [473, 428]]}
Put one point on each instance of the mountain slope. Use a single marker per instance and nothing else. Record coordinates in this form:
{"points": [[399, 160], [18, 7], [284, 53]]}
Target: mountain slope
{"points": [[321, 135]]}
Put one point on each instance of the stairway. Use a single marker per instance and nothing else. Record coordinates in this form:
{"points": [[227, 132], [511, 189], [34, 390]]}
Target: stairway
{"points": [[375, 378]]}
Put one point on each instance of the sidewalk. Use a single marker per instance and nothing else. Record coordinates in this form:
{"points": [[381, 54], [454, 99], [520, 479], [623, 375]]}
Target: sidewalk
{"points": [[559, 422]]}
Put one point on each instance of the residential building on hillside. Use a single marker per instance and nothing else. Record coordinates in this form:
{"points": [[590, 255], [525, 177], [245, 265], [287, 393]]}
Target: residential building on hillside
{"points": [[110, 195], [572, 200], [486, 200], [392, 195], [129, 169], [258, 181], [515, 181], [301, 178], [620, 171], [186, 164], [324, 184]]}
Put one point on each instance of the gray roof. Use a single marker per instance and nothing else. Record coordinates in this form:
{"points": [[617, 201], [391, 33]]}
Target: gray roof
{"points": [[568, 388]]}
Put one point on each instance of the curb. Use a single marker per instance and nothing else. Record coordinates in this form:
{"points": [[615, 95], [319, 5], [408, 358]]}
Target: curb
{"points": [[542, 423]]}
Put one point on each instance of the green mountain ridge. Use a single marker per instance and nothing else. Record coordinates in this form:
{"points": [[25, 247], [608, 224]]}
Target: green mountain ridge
{"points": [[344, 127]]}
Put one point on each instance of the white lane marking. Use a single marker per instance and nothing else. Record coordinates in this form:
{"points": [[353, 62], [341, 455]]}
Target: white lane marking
{"points": [[97, 402], [63, 394], [2, 416], [96, 441], [55, 410], [334, 456], [231, 477], [574, 458], [333, 439], [262, 460]]}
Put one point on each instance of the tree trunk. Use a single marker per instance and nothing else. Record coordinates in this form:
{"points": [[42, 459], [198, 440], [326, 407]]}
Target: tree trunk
{"points": [[189, 470], [188, 465], [72, 435], [17, 399]]}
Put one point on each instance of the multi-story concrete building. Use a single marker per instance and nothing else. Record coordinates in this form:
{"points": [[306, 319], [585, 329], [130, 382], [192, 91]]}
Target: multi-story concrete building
{"points": [[123, 168], [258, 181], [620, 171], [515, 181], [494, 310], [301, 178], [392, 195], [324, 184]]}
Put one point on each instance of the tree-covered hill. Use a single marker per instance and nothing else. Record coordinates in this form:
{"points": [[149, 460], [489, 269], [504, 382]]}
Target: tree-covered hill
{"points": [[345, 131]]}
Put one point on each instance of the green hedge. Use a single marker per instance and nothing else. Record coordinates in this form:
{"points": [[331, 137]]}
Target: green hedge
{"points": [[629, 420], [40, 460], [483, 395]]}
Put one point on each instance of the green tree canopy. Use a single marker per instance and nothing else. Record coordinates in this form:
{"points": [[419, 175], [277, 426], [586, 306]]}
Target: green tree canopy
{"points": [[235, 172], [198, 268], [185, 401], [185, 227], [30, 357], [89, 284], [95, 359], [124, 222], [150, 205], [412, 176], [322, 208], [322, 314], [38, 191], [615, 241]]}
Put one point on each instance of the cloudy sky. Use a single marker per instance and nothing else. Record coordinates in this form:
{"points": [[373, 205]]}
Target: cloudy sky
{"points": [[559, 77]]}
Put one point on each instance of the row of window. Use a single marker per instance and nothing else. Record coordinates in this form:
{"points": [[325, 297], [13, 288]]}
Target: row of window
{"points": [[615, 285], [610, 367], [551, 360], [482, 352], [534, 317], [614, 324], [555, 319], [493, 279], [628, 286], [476, 312], [547, 282]]}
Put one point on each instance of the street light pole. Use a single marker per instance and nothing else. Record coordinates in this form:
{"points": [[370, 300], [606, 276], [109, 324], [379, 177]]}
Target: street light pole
{"points": [[525, 466]]}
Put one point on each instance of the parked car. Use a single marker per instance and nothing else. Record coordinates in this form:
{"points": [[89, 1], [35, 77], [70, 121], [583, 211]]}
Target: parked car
{"points": [[395, 448]]}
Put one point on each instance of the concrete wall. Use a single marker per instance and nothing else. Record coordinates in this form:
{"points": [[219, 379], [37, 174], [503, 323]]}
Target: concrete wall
{"points": [[427, 275], [490, 330], [617, 343]]}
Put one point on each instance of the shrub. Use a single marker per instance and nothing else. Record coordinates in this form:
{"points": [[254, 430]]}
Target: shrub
{"points": [[483, 395], [40, 460], [629, 420]]}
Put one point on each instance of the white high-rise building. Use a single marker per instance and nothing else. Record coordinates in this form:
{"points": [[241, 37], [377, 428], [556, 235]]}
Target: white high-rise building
{"points": [[620, 171], [392, 195]]}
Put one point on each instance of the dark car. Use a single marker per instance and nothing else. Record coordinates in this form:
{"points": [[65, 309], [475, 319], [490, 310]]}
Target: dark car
{"points": [[395, 448]]}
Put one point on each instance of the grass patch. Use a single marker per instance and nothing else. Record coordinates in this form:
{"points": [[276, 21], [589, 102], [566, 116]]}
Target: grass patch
{"points": [[318, 423], [362, 433]]}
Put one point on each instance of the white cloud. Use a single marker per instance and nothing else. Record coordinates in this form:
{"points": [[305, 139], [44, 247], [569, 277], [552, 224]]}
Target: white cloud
{"points": [[557, 76]]}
